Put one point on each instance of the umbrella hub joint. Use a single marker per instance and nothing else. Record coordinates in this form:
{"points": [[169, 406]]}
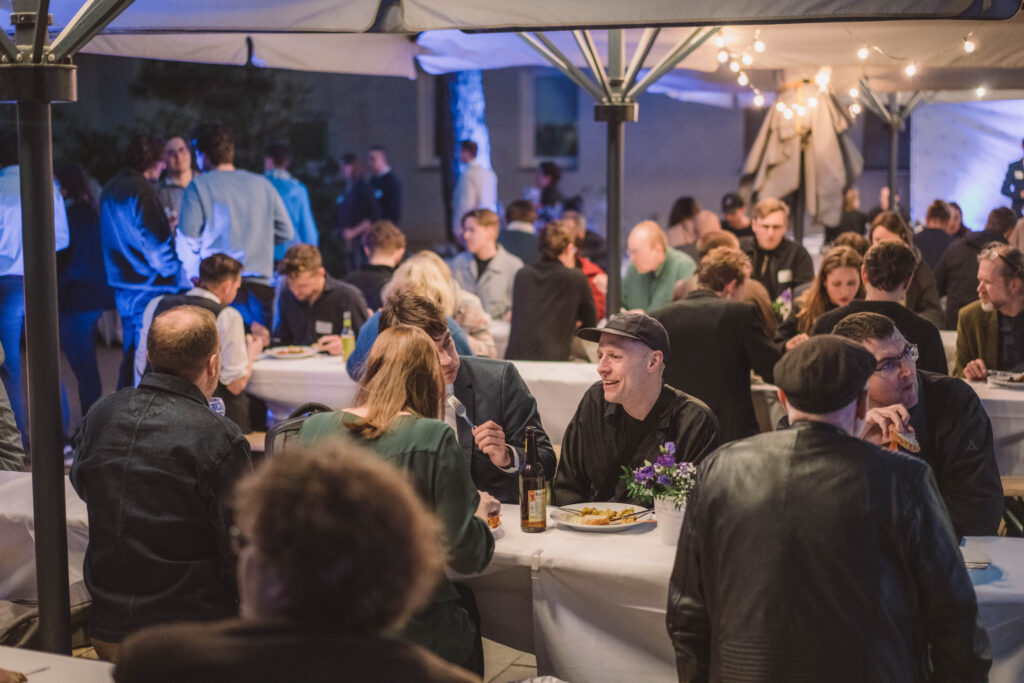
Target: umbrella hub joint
{"points": [[616, 112], [27, 82]]}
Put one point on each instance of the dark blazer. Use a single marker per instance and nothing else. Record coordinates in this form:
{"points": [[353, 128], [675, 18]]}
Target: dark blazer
{"points": [[493, 390], [715, 344], [977, 336], [1013, 184]]}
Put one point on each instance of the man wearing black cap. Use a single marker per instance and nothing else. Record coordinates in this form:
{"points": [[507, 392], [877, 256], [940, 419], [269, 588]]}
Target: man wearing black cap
{"points": [[809, 554], [945, 416], [625, 418], [734, 216]]}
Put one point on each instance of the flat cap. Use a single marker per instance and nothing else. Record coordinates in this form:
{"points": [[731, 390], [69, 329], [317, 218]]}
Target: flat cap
{"points": [[824, 374], [638, 326]]}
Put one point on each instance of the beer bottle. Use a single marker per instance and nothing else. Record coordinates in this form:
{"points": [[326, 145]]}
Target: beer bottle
{"points": [[348, 337], [532, 507]]}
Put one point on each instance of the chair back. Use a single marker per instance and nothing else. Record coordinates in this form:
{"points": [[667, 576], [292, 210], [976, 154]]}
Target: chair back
{"points": [[287, 431]]}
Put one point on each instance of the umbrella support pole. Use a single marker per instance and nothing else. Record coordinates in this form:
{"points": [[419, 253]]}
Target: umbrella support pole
{"points": [[615, 116]]}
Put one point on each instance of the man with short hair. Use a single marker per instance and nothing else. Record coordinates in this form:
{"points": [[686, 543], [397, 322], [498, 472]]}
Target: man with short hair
{"points": [[944, 414], [654, 269], [1013, 186], [384, 246], [277, 158], [626, 417], [717, 339], [495, 397], [956, 276], [779, 263], [935, 238], [138, 243], [809, 555], [886, 274], [386, 188], [477, 187], [990, 332], [313, 305], [235, 212], [486, 268], [519, 236], [177, 176], [734, 215], [155, 465], [220, 276]]}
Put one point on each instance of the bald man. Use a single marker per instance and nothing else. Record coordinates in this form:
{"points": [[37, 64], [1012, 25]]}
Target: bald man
{"points": [[654, 269], [152, 457]]}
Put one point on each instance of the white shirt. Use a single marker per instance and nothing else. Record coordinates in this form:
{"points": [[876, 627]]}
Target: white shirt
{"points": [[234, 357], [477, 188], [12, 260]]}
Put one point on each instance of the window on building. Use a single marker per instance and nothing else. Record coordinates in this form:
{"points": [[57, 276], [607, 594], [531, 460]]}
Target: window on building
{"points": [[549, 119]]}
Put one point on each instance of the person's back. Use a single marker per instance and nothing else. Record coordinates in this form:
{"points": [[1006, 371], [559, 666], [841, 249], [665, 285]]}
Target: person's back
{"points": [[932, 242], [547, 301], [522, 245]]}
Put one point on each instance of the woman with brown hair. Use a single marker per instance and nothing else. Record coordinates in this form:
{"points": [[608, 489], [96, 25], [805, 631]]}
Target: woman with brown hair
{"points": [[397, 405], [923, 295], [837, 284]]}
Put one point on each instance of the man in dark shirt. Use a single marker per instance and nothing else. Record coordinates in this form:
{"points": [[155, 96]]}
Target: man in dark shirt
{"points": [[154, 466], [933, 240], [780, 264], [990, 332], [625, 418], [387, 191], [944, 414], [313, 306], [384, 246], [886, 273], [717, 338]]}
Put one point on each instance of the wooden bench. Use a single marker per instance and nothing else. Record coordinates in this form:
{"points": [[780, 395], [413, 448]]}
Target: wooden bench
{"points": [[1013, 487]]}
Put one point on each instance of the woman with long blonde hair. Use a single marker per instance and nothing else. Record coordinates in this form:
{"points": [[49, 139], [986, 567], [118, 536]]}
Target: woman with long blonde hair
{"points": [[395, 417], [837, 284]]}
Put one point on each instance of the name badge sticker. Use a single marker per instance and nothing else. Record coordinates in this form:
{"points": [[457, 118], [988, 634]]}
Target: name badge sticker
{"points": [[1019, 175], [323, 327], [785, 276]]}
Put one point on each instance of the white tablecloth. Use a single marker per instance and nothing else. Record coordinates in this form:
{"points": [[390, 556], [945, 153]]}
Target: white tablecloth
{"points": [[53, 668], [1005, 408], [17, 536], [593, 605], [949, 346]]}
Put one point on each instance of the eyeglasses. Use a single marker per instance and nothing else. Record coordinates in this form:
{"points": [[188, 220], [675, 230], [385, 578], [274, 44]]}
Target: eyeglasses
{"points": [[909, 355], [1015, 270]]}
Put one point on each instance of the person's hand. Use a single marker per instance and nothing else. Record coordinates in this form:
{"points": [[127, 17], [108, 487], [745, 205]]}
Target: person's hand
{"points": [[976, 370], [877, 421], [601, 282], [331, 343], [796, 341], [262, 333], [253, 345], [489, 506], [490, 438]]}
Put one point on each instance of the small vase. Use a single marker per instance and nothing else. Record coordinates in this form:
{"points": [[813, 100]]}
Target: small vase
{"points": [[670, 519]]}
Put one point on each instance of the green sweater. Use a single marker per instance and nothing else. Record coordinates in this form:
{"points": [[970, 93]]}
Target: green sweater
{"points": [[429, 451], [651, 291]]}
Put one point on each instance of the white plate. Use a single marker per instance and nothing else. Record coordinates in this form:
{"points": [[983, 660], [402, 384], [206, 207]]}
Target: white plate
{"points": [[1002, 379], [565, 519], [282, 352]]}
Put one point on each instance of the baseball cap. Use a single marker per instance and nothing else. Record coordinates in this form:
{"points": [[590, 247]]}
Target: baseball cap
{"points": [[638, 326], [731, 202]]}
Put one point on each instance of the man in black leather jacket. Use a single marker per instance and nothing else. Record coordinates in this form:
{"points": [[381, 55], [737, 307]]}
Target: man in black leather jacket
{"points": [[808, 554]]}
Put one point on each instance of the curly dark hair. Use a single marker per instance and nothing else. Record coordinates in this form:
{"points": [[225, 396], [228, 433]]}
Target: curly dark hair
{"points": [[215, 142], [143, 151], [889, 265], [345, 535]]}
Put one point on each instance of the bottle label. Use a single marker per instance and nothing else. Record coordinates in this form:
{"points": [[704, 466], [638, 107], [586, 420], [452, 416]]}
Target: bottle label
{"points": [[535, 505]]}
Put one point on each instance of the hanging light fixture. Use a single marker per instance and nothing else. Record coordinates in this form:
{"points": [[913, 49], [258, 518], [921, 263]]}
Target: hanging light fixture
{"points": [[759, 45], [723, 56], [980, 91], [743, 80], [862, 53], [758, 100], [910, 69], [854, 93], [747, 59], [969, 45]]}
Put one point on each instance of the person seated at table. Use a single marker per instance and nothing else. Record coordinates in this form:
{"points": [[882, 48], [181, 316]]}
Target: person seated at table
{"points": [[497, 401], [837, 284], [887, 273], [935, 238], [990, 332], [809, 555], [384, 246], [399, 399], [312, 307], [155, 466], [425, 274], [779, 263], [519, 237], [922, 296], [629, 414], [220, 277], [550, 299], [717, 339], [486, 269], [335, 551], [596, 275], [856, 241], [945, 416], [654, 268]]}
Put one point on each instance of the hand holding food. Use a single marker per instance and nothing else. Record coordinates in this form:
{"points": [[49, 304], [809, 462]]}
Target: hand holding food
{"points": [[488, 507], [877, 422]]}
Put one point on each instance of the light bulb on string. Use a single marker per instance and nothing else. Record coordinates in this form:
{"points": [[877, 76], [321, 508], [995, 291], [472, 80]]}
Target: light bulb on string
{"points": [[823, 78], [758, 100], [780, 107], [723, 56], [746, 59], [969, 46], [743, 80], [854, 93], [854, 109], [758, 46], [980, 91], [719, 40], [788, 114], [910, 69], [812, 102], [734, 66], [862, 53], [800, 109]]}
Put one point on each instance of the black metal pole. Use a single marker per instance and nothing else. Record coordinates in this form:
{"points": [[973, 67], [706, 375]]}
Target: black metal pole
{"points": [[615, 181], [43, 352], [895, 123]]}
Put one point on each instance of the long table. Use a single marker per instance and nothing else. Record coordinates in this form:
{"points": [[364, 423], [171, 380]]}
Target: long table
{"points": [[592, 606], [50, 668]]}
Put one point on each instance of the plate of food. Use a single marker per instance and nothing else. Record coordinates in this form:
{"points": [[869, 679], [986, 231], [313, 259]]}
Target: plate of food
{"points": [[602, 518], [293, 352], [1006, 380]]}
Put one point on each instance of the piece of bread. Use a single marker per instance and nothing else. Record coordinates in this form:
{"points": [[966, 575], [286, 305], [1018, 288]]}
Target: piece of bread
{"points": [[494, 522], [594, 520], [905, 440]]}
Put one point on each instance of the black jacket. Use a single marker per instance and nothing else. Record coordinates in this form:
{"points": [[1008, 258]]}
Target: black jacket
{"points": [[547, 300], [370, 280], [387, 191], [602, 438], [913, 327], [956, 276], [155, 467], [715, 344], [785, 267], [810, 555], [932, 242], [923, 297], [493, 390]]}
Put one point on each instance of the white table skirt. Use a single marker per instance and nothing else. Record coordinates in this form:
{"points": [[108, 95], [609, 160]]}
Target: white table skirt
{"points": [[17, 536], [55, 668], [593, 605]]}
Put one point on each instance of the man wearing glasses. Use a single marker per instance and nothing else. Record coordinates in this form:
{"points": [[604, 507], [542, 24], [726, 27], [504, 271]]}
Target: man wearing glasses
{"points": [[990, 332], [945, 415]]}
